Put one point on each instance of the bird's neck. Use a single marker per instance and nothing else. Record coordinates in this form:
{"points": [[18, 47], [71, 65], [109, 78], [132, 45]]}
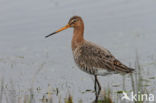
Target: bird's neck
{"points": [[77, 36]]}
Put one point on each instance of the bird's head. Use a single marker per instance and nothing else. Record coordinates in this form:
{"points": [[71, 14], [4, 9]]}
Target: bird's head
{"points": [[74, 22]]}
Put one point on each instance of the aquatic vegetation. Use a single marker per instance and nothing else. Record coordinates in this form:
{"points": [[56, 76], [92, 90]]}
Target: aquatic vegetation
{"points": [[139, 88], [69, 99]]}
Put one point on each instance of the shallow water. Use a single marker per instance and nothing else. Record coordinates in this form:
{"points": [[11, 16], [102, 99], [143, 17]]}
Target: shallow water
{"points": [[122, 26]]}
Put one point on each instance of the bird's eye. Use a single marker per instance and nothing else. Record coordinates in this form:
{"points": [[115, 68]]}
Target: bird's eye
{"points": [[74, 20]]}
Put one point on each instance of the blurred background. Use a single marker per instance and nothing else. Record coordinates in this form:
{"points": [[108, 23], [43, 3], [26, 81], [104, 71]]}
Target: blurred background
{"points": [[28, 60]]}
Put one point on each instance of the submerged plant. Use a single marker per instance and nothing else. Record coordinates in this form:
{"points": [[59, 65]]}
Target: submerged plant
{"points": [[69, 99]]}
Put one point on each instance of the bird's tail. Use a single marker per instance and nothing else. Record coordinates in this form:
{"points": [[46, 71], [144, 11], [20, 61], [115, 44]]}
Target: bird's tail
{"points": [[124, 69], [130, 70]]}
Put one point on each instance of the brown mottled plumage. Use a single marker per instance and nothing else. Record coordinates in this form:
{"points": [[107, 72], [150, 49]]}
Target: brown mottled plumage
{"points": [[97, 61], [90, 57]]}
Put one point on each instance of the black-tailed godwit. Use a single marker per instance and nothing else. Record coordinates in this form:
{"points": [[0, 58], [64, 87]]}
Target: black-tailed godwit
{"points": [[90, 57]]}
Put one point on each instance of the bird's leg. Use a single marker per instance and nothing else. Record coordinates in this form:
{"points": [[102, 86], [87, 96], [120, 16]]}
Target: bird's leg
{"points": [[96, 93], [99, 89], [95, 85], [99, 86]]}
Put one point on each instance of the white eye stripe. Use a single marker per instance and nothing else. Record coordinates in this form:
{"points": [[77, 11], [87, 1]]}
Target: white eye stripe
{"points": [[74, 20]]}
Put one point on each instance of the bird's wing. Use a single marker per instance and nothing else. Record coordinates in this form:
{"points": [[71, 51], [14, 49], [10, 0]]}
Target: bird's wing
{"points": [[98, 57]]}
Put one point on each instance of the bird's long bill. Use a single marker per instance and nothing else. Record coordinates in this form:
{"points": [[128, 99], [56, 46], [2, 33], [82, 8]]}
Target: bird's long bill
{"points": [[63, 28]]}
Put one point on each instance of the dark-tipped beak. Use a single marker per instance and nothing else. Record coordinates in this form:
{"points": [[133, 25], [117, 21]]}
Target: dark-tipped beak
{"points": [[63, 28]]}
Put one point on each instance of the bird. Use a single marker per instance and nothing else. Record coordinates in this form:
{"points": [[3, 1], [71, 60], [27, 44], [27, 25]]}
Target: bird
{"points": [[90, 57]]}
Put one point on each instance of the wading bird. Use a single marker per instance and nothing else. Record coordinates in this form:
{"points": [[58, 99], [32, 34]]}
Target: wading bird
{"points": [[90, 57]]}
